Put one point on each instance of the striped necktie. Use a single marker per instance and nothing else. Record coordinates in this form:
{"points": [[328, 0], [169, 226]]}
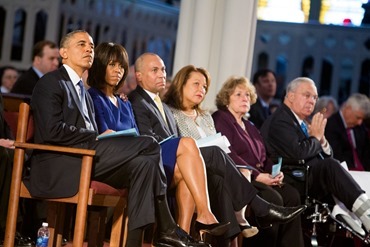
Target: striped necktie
{"points": [[304, 129]]}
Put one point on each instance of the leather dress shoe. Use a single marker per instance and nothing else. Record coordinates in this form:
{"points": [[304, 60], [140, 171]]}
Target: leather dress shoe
{"points": [[20, 241], [177, 238], [281, 215]]}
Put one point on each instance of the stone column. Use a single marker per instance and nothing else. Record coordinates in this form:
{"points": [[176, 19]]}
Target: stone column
{"points": [[219, 36]]}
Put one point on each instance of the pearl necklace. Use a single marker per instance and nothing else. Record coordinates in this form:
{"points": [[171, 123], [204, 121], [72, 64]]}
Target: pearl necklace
{"points": [[194, 114]]}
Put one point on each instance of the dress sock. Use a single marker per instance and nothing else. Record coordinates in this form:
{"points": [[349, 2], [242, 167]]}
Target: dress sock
{"points": [[135, 238]]}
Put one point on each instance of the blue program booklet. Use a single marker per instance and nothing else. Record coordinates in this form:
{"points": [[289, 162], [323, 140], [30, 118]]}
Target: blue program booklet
{"points": [[128, 132], [276, 168], [166, 139]]}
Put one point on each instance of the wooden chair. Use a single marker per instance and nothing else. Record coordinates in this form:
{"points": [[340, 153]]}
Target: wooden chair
{"points": [[90, 193]]}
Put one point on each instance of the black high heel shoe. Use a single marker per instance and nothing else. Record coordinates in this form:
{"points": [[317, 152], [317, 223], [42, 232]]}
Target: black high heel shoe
{"points": [[215, 229]]}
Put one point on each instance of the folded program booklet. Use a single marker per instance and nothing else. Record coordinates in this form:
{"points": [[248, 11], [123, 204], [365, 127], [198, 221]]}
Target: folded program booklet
{"points": [[128, 132], [215, 140]]}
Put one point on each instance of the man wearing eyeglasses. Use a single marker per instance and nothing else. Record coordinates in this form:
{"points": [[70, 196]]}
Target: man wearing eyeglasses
{"points": [[288, 135]]}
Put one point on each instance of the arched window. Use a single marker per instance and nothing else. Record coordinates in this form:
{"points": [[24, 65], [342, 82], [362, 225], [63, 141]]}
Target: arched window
{"points": [[364, 85], [2, 27], [61, 26], [345, 79], [262, 61], [97, 34], [18, 35], [280, 72], [307, 67], [326, 76], [70, 25], [40, 26]]}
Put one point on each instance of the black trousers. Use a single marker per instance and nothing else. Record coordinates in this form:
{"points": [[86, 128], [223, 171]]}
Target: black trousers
{"points": [[326, 176], [5, 181], [229, 190], [135, 163], [279, 235]]}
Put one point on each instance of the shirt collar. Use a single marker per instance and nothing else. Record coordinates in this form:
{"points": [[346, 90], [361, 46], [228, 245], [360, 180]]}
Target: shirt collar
{"points": [[298, 119], [263, 103], [38, 72], [344, 122], [73, 75], [152, 95]]}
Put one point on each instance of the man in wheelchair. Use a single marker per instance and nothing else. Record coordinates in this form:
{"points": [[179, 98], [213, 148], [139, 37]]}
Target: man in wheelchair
{"points": [[291, 134]]}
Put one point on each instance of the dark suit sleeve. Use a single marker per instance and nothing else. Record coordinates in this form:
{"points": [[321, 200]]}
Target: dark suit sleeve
{"points": [[336, 135], [145, 119], [5, 131], [57, 118], [286, 139]]}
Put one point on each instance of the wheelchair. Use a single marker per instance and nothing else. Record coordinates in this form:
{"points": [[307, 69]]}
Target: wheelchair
{"points": [[320, 226]]}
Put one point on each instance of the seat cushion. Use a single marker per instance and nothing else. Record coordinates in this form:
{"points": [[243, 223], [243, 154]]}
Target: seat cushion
{"points": [[105, 189]]}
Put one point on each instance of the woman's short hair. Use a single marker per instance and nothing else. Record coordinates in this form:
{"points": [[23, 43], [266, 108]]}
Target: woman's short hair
{"points": [[228, 88], [106, 53], [174, 96]]}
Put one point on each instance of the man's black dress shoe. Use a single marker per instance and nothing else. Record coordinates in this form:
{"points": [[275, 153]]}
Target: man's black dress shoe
{"points": [[281, 215], [177, 238], [19, 241]]}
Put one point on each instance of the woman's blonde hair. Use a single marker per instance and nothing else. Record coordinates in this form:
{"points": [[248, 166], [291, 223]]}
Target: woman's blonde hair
{"points": [[228, 88]]}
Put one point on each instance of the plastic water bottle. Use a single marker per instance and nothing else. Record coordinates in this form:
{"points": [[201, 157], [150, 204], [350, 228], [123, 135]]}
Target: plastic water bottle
{"points": [[43, 235]]}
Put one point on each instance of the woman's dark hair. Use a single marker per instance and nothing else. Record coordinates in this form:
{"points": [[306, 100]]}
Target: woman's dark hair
{"points": [[106, 53], [174, 96]]}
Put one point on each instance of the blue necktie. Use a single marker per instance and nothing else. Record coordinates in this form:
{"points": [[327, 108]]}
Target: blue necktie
{"points": [[304, 128], [84, 107]]}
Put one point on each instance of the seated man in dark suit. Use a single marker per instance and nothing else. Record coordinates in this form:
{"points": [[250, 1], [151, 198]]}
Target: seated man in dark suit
{"points": [[287, 135], [229, 191], [45, 58], [348, 135], [64, 115], [265, 83]]}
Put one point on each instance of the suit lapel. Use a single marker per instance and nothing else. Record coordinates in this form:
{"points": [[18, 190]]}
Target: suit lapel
{"points": [[171, 122], [76, 99], [154, 109]]}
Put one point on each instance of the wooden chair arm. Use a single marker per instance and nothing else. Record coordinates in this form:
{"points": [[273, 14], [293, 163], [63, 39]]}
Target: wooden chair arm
{"points": [[61, 149]]}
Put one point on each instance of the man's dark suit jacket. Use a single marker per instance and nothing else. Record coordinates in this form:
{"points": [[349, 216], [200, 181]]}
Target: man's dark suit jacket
{"points": [[57, 175], [26, 82], [336, 134], [257, 114], [5, 168], [284, 137], [148, 117]]}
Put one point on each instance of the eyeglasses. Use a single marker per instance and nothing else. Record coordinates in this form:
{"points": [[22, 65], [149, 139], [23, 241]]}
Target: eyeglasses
{"points": [[308, 96]]}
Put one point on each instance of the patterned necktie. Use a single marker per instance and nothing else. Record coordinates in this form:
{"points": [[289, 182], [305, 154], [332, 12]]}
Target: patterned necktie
{"points": [[356, 159], [82, 95], [159, 104], [304, 128]]}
